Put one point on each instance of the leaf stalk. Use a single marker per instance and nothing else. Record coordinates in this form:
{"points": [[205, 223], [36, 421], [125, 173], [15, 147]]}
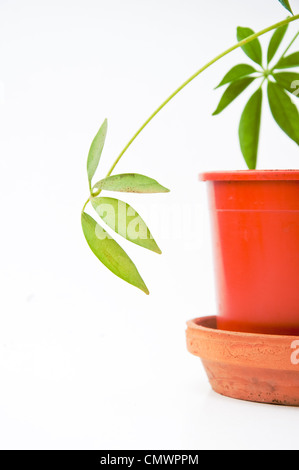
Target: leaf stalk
{"points": [[196, 74]]}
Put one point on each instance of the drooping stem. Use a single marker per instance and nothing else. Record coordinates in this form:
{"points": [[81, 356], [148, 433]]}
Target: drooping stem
{"points": [[86, 203], [195, 75]]}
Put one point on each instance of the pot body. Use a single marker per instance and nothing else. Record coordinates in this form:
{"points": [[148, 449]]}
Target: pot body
{"points": [[255, 224]]}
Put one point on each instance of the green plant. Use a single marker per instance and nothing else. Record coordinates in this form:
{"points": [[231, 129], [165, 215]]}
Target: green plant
{"points": [[120, 216], [286, 4], [280, 86]]}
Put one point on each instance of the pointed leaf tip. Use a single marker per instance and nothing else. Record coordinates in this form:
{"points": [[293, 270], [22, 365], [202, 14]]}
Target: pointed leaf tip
{"points": [[95, 151], [232, 92], [249, 129], [236, 73], [275, 41], [124, 220], [290, 61], [110, 253], [130, 183], [287, 5]]}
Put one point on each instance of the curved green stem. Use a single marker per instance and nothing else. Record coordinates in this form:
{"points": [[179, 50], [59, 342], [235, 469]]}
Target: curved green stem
{"points": [[86, 203], [195, 75], [283, 55], [289, 46]]}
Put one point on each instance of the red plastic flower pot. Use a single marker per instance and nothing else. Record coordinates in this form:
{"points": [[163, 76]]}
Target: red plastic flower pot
{"points": [[255, 224]]}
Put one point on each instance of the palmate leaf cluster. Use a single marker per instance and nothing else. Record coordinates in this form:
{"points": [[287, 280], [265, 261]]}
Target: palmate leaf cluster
{"points": [[117, 215], [282, 81]]}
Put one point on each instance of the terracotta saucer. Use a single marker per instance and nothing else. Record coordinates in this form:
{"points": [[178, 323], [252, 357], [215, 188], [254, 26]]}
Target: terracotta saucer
{"points": [[252, 367]]}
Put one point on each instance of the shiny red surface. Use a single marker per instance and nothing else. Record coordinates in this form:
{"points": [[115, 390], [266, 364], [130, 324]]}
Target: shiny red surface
{"points": [[256, 249], [251, 175]]}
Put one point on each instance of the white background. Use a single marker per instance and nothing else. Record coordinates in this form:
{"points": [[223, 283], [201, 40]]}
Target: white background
{"points": [[87, 361]]}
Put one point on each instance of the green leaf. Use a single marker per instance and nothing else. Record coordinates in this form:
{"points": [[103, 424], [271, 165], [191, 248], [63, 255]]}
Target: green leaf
{"points": [[289, 81], [130, 183], [236, 73], [125, 221], [286, 4], [288, 62], [110, 253], [284, 111], [249, 130], [253, 49], [95, 151], [232, 92], [275, 42]]}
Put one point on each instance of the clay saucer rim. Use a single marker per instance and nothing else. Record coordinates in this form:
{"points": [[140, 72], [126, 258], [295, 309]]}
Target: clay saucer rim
{"points": [[247, 349]]}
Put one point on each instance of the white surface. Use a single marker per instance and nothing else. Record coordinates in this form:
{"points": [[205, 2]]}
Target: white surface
{"points": [[86, 361]]}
